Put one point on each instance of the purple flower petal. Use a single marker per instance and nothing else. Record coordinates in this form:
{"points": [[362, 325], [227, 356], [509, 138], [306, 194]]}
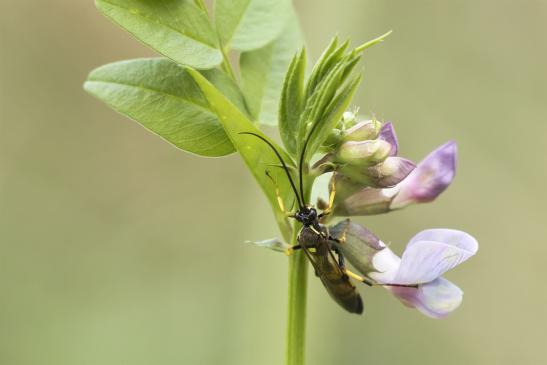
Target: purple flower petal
{"points": [[387, 133], [430, 178], [424, 261], [436, 299]]}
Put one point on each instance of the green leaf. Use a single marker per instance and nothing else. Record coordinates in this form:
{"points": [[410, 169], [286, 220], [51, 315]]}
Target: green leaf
{"points": [[256, 154], [292, 102], [263, 70], [245, 25], [164, 98], [178, 29]]}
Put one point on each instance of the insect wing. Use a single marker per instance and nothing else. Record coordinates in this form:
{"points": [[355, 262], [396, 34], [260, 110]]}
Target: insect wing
{"points": [[334, 280]]}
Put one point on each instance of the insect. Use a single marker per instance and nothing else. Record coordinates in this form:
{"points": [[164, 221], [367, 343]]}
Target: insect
{"points": [[315, 241]]}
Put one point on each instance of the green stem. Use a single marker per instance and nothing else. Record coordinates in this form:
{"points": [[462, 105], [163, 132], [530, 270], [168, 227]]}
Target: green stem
{"points": [[296, 319], [226, 65]]}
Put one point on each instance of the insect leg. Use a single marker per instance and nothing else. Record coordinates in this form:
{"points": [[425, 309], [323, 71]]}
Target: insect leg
{"points": [[299, 247], [332, 194], [341, 258], [278, 196], [373, 283]]}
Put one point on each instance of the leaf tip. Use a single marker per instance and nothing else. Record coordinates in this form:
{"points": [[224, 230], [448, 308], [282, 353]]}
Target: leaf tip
{"points": [[371, 43]]}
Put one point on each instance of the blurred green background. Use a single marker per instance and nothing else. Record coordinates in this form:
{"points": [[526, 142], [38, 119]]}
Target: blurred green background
{"points": [[116, 248]]}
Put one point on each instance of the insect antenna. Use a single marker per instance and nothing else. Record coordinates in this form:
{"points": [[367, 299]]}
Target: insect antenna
{"points": [[301, 160], [284, 165]]}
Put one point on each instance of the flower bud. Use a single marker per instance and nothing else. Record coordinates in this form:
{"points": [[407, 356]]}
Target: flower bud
{"points": [[364, 152], [357, 244], [362, 131], [386, 174], [349, 119]]}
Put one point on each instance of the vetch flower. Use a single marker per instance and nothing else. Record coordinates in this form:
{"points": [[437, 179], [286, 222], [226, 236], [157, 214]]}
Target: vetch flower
{"points": [[426, 258], [423, 184]]}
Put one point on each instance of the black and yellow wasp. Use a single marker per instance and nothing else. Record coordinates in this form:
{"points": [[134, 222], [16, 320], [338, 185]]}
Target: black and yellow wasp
{"points": [[318, 245]]}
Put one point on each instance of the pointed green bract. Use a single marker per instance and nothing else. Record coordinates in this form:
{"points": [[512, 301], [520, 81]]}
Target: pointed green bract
{"points": [[327, 93], [178, 29], [163, 97], [245, 25], [263, 70], [292, 102], [318, 69], [317, 115], [256, 154], [333, 114]]}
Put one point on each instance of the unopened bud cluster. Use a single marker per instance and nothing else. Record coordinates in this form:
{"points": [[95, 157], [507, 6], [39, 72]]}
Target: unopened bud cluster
{"points": [[363, 153]]}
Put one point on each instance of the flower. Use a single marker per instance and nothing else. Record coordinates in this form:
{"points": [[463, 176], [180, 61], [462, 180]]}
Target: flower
{"points": [[428, 255], [423, 184]]}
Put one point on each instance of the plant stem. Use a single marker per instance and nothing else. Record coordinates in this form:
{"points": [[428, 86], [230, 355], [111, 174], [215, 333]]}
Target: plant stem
{"points": [[296, 317], [226, 65]]}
